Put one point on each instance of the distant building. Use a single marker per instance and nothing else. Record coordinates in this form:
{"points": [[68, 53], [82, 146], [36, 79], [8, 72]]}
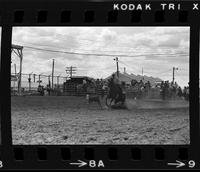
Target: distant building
{"points": [[127, 78]]}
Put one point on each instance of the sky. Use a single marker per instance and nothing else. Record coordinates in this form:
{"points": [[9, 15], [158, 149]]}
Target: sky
{"points": [[92, 50]]}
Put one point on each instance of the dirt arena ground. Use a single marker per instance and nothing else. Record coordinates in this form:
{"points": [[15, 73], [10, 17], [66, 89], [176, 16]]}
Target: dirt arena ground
{"points": [[69, 120]]}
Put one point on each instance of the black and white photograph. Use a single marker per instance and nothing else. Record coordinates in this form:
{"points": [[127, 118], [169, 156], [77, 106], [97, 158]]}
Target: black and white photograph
{"points": [[100, 85]]}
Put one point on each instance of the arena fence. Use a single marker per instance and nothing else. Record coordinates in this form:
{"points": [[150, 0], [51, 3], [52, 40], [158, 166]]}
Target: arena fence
{"points": [[60, 88]]}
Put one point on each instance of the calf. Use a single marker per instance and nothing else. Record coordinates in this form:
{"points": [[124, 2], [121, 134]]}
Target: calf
{"points": [[93, 98]]}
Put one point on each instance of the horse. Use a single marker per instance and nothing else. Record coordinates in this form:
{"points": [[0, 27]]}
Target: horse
{"points": [[115, 94]]}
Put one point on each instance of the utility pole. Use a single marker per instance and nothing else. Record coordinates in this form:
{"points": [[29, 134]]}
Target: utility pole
{"points": [[58, 80], [52, 73], [124, 70], [20, 75], [29, 81], [173, 78], [39, 80], [117, 63], [71, 70], [34, 77], [18, 51], [49, 81]]}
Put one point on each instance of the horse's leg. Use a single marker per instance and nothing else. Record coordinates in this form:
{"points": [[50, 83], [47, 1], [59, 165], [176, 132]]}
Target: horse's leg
{"points": [[111, 101], [107, 101]]}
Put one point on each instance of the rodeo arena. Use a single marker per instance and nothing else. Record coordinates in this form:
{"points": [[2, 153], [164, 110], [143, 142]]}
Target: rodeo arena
{"points": [[122, 108]]}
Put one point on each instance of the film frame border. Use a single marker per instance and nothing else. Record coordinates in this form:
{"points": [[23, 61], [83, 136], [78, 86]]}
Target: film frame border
{"points": [[26, 15]]}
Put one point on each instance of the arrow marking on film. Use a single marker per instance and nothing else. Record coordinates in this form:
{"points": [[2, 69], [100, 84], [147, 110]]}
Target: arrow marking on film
{"points": [[79, 163], [177, 164]]}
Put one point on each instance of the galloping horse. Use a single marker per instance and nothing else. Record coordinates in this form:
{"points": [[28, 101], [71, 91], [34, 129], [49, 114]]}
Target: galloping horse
{"points": [[115, 93]]}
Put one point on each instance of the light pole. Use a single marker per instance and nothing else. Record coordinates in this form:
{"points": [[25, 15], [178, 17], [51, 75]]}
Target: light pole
{"points": [[29, 81], [52, 73], [39, 78], [117, 63], [173, 78]]}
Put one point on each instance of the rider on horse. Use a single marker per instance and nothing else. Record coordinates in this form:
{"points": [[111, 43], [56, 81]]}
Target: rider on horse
{"points": [[116, 90]]}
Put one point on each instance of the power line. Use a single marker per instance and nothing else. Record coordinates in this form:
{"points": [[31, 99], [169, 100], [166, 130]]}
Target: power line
{"points": [[137, 48], [70, 70], [94, 54]]}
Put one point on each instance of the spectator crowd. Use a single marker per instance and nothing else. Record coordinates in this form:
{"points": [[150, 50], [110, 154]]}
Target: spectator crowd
{"points": [[167, 90]]}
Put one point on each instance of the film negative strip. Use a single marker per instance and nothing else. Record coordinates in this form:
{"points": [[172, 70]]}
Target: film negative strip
{"points": [[99, 84]]}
